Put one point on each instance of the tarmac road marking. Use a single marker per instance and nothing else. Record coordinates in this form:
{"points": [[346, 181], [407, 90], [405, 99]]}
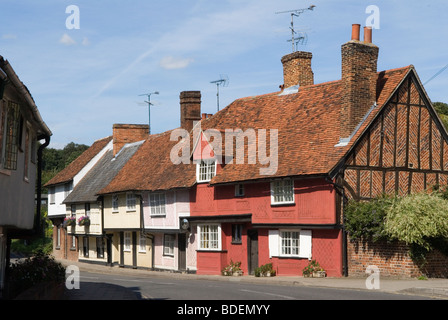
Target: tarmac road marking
{"points": [[269, 294], [147, 281]]}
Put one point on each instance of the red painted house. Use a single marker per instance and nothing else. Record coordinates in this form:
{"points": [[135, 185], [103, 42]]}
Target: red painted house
{"points": [[281, 201]]}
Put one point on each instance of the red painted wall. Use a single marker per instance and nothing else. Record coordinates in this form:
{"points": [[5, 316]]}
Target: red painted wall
{"points": [[326, 249], [314, 202]]}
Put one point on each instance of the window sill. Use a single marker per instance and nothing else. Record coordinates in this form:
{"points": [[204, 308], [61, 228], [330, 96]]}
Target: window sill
{"points": [[290, 257], [210, 250], [283, 204]]}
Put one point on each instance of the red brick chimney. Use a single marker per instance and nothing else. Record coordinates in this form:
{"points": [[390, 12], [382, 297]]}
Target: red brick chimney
{"points": [[128, 133], [297, 69], [359, 78], [190, 109]]}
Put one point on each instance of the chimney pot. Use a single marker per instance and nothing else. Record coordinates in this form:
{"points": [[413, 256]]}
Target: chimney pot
{"points": [[359, 79], [368, 34], [355, 31]]}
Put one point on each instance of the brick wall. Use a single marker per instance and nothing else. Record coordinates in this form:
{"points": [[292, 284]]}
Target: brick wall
{"points": [[359, 67], [297, 69], [128, 133], [393, 260], [64, 250], [190, 109]]}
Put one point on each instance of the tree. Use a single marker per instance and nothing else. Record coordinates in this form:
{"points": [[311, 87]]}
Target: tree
{"points": [[54, 160], [442, 110]]}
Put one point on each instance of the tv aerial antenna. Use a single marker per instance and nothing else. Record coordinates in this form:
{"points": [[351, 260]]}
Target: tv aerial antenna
{"points": [[300, 37], [223, 81], [148, 95]]}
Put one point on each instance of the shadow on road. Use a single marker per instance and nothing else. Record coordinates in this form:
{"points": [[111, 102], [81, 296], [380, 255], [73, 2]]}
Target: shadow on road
{"points": [[102, 291]]}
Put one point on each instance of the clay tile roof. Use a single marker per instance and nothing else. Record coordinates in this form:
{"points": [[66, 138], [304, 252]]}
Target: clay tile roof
{"points": [[308, 130], [69, 172], [308, 127], [151, 169]]}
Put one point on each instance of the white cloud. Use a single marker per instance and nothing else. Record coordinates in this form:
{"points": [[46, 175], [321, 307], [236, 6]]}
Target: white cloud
{"points": [[67, 40], [170, 63], [9, 36]]}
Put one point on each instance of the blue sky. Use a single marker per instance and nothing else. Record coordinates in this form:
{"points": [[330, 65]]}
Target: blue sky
{"points": [[85, 80]]}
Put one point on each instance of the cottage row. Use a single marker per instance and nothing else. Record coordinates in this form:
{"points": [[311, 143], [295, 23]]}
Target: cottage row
{"points": [[262, 181]]}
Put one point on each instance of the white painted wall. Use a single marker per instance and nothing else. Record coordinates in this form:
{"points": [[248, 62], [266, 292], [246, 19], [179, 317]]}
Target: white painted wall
{"points": [[58, 208]]}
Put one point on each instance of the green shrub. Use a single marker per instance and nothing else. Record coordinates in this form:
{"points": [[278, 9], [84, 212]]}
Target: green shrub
{"points": [[365, 219], [34, 270], [418, 219]]}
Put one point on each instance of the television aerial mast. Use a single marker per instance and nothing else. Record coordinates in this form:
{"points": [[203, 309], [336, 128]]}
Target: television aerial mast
{"points": [[224, 81], [302, 37], [149, 106]]}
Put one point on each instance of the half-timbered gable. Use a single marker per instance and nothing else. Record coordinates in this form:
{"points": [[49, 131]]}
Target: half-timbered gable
{"points": [[403, 150]]}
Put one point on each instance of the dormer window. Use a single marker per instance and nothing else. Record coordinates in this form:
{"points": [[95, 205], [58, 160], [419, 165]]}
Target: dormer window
{"points": [[205, 170]]}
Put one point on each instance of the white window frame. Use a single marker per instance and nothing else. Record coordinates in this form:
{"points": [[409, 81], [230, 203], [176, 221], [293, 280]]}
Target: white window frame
{"points": [[205, 170], [157, 204], [142, 243], [289, 243], [127, 241], [279, 193], [131, 202], [168, 244], [52, 195], [73, 242], [277, 240], [115, 203], [58, 237], [209, 237]]}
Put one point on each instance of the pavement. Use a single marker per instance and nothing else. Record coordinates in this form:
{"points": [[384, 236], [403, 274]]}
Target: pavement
{"points": [[437, 288]]}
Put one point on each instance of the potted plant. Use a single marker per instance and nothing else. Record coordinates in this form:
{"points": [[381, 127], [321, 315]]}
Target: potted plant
{"points": [[84, 221], [265, 270], [313, 269], [233, 269], [69, 221]]}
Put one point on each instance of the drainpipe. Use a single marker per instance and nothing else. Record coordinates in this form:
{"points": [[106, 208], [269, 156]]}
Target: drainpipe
{"points": [[37, 224], [344, 231]]}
